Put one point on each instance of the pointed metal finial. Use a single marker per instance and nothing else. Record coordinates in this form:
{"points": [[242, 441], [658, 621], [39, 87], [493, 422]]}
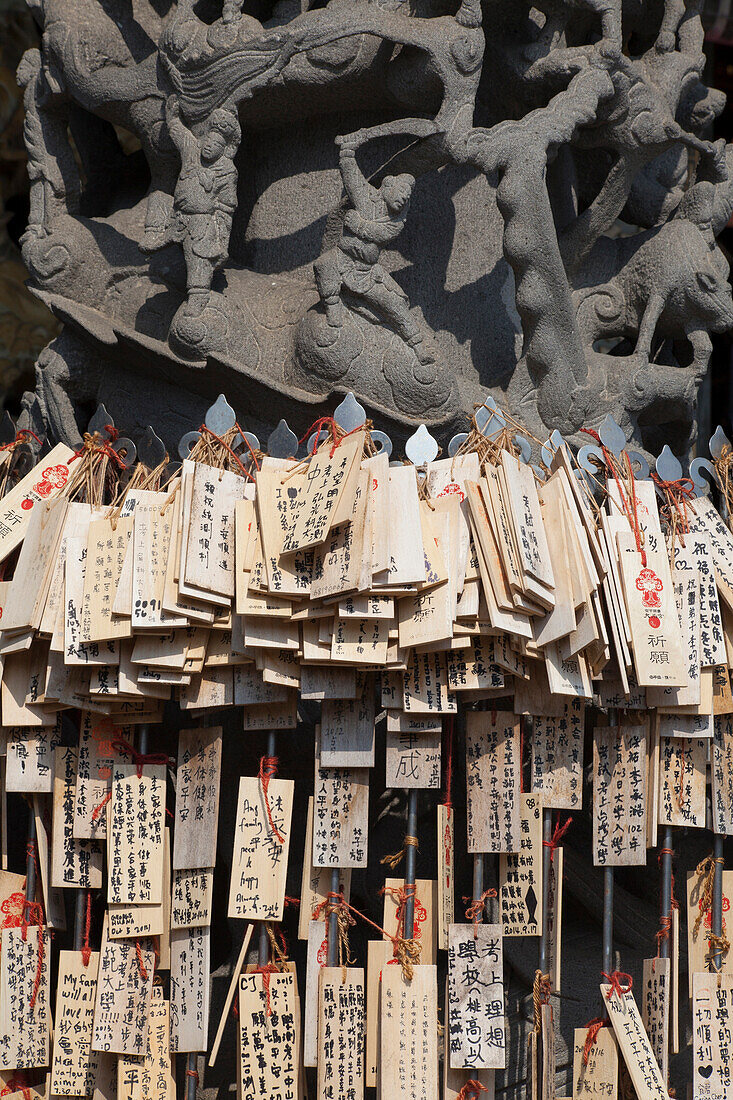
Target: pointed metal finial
{"points": [[668, 467], [99, 421], [220, 416], [282, 442], [421, 447], [718, 442], [612, 436], [151, 449], [349, 414], [456, 443]]}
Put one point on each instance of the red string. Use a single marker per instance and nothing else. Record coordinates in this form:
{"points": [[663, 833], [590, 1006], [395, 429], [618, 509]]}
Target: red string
{"points": [[620, 983], [33, 913], [268, 770], [292, 901], [665, 921], [448, 802], [677, 494], [193, 1073], [630, 509], [471, 1090], [17, 1084], [249, 446], [558, 834], [98, 809], [11, 446], [86, 950], [100, 447], [141, 758], [335, 900], [140, 963], [475, 911], [591, 1035], [266, 971], [333, 429]]}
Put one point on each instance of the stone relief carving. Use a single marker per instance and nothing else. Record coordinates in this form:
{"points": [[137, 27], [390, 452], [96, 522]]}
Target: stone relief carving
{"points": [[420, 203]]}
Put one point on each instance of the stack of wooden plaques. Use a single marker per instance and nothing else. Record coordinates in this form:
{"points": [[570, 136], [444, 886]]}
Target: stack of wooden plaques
{"points": [[474, 612]]}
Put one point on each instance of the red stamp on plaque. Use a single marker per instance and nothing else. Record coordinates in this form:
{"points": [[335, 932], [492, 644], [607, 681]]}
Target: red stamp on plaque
{"points": [[649, 584], [452, 489]]}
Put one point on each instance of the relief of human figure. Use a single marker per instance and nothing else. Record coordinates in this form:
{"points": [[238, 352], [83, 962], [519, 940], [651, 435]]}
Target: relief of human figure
{"points": [[205, 197], [376, 219]]}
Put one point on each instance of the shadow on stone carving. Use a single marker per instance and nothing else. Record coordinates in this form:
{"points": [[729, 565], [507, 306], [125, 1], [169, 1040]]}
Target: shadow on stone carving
{"points": [[421, 204]]}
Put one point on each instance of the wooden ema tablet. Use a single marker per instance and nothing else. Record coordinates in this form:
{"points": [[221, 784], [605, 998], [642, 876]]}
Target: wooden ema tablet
{"points": [[347, 730], [149, 1077], [74, 862], [721, 772], [520, 875], [492, 781], [598, 1078], [446, 858], [340, 816], [30, 755], [316, 883], [260, 851], [658, 655], [44, 482], [655, 1008], [269, 1042], [135, 841], [409, 1037], [557, 758], [191, 900], [455, 1079], [697, 941], [475, 997], [126, 921], [413, 760], [712, 1006], [190, 988], [619, 796], [682, 781], [554, 918], [96, 760], [197, 798], [634, 1045], [24, 1028], [121, 1014], [341, 1033], [74, 1066]]}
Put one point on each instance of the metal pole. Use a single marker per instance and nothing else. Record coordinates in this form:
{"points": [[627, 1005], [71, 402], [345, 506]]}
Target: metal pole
{"points": [[717, 913], [30, 863], [665, 909], [544, 961], [333, 921], [608, 966], [410, 867]]}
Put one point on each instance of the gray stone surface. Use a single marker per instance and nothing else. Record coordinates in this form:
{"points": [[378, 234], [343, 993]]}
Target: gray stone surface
{"points": [[416, 202]]}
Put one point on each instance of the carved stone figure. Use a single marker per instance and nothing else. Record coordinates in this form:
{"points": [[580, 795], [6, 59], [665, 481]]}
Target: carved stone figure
{"points": [[419, 203]]}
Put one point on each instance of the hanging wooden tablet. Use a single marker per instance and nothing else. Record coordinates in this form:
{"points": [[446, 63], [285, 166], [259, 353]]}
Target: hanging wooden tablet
{"points": [[261, 845], [43, 483], [695, 559], [446, 856], [634, 1044], [29, 588], [455, 1079], [316, 882], [649, 595], [73, 862], [721, 545], [712, 1006], [619, 795], [197, 797], [74, 1065], [269, 1041], [347, 730], [124, 987], [426, 892], [492, 781], [596, 1076], [409, 1036], [721, 773], [189, 998], [425, 685], [547, 1053], [136, 833], [475, 1020], [341, 1032], [557, 758], [53, 898], [191, 901], [682, 781], [209, 562], [151, 538], [25, 1018], [698, 945], [520, 875], [107, 543], [316, 957], [126, 921], [655, 1008], [156, 1081], [340, 816], [687, 600], [413, 760], [96, 761], [30, 756], [380, 953]]}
